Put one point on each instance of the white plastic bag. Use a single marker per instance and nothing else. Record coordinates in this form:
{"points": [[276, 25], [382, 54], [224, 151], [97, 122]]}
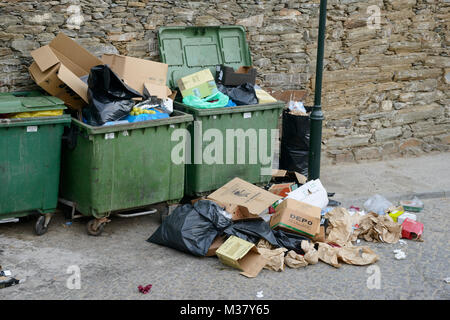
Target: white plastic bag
{"points": [[377, 204]]}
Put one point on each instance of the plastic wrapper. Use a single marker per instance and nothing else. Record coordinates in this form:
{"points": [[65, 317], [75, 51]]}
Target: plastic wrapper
{"points": [[216, 100], [241, 95], [377, 204], [110, 99]]}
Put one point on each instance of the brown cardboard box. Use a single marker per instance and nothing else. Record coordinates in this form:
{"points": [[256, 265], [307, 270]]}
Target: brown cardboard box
{"points": [[242, 255], [297, 216], [140, 74], [57, 69], [251, 199], [218, 241]]}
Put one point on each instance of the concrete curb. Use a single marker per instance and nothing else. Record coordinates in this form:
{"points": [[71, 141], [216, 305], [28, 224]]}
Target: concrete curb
{"points": [[396, 197]]}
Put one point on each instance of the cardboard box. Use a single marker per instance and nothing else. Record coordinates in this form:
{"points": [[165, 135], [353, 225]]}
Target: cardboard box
{"points": [[281, 189], [200, 84], [228, 77], [218, 241], [411, 229], [297, 216], [288, 95], [242, 255], [57, 69], [284, 176], [250, 199], [144, 76]]}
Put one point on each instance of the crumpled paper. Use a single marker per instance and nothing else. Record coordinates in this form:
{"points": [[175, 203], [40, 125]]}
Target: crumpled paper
{"points": [[340, 223], [294, 260], [360, 255], [378, 228], [275, 258]]}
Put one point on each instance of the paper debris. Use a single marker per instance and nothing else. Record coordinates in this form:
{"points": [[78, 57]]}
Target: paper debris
{"points": [[275, 258], [259, 294], [399, 254]]}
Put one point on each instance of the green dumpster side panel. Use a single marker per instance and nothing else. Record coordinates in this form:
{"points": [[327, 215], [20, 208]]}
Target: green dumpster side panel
{"points": [[123, 167], [205, 177], [30, 164]]}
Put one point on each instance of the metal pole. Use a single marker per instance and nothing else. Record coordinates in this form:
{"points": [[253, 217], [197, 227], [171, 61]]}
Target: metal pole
{"points": [[317, 114]]}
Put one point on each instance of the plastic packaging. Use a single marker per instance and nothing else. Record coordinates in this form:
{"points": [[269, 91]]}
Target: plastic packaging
{"points": [[241, 95], [377, 204], [312, 193], [414, 205], [216, 100], [34, 114], [296, 106], [110, 99]]}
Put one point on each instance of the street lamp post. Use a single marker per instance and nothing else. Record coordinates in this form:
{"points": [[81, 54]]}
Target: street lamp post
{"points": [[316, 116]]}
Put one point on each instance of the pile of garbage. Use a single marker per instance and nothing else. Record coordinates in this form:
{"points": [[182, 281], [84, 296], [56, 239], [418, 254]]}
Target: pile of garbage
{"points": [[118, 89], [289, 223]]}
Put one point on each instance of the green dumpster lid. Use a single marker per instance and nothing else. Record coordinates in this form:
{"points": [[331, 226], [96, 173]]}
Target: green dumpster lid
{"points": [[190, 49], [10, 103]]}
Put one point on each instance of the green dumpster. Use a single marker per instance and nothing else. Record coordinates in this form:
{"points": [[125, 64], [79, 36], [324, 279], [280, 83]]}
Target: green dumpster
{"points": [[121, 168], [30, 154], [239, 154]]}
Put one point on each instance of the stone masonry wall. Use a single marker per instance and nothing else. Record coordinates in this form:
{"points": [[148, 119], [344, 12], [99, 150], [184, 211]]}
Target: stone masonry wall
{"points": [[386, 81]]}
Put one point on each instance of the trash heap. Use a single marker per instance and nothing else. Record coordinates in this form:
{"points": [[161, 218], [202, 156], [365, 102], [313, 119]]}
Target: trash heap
{"points": [[118, 89], [288, 223]]}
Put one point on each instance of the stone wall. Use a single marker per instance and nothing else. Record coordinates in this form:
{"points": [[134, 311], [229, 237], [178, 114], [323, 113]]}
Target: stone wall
{"points": [[386, 81]]}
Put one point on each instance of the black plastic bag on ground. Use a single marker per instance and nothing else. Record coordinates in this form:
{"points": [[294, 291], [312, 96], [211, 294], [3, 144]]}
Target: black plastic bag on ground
{"points": [[192, 228], [254, 230], [110, 99], [294, 148], [241, 95]]}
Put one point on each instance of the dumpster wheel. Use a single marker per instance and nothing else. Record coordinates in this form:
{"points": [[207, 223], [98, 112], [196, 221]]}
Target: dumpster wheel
{"points": [[41, 225], [95, 227]]}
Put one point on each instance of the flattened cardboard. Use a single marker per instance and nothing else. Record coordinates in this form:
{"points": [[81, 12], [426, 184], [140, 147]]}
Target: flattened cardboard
{"points": [[140, 74], [264, 97], [57, 69], [297, 216], [242, 255], [288, 95], [242, 193]]}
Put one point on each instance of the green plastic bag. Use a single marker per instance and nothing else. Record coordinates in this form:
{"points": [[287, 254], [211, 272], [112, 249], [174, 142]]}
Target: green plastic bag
{"points": [[196, 102]]}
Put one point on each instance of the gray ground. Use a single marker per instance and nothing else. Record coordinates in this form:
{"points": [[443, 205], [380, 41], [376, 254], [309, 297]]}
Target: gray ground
{"points": [[114, 264]]}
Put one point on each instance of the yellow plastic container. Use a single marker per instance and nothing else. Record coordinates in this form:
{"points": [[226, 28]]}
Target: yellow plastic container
{"points": [[396, 213]]}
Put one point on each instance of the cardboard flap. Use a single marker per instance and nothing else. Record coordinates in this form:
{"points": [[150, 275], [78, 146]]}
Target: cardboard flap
{"points": [[78, 55], [252, 263], [75, 83], [160, 91], [44, 57], [245, 194], [135, 72]]}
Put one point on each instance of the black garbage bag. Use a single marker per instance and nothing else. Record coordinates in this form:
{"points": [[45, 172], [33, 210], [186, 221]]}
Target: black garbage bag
{"points": [[242, 95], [110, 99], [192, 228], [294, 148], [254, 230]]}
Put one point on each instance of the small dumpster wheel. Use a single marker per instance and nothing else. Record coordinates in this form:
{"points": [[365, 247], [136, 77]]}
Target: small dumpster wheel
{"points": [[41, 226], [164, 212], [94, 228]]}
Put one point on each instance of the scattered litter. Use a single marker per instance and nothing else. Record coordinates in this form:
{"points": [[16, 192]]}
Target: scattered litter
{"points": [[145, 289], [405, 216], [399, 254], [259, 294], [412, 230], [402, 242], [377, 204], [414, 205]]}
